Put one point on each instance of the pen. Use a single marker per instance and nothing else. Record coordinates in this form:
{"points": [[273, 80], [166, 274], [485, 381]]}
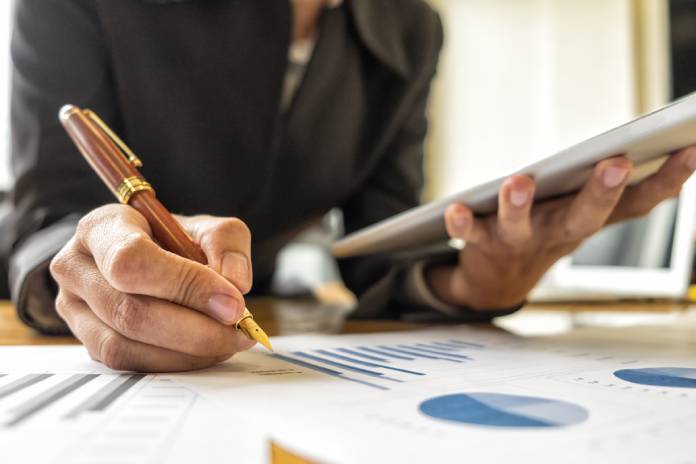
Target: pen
{"points": [[117, 166]]}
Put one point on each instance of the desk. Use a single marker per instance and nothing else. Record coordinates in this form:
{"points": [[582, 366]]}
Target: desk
{"points": [[562, 317]]}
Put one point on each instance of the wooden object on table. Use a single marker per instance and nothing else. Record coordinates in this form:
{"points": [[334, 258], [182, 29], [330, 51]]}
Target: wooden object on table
{"points": [[14, 332]]}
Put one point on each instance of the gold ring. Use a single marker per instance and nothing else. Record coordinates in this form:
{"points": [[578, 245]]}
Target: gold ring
{"points": [[130, 186]]}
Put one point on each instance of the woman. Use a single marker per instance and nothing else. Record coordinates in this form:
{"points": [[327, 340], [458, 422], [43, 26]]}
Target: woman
{"points": [[227, 125]]}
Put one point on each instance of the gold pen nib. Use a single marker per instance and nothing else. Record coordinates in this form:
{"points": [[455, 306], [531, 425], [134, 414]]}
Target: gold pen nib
{"points": [[259, 335], [251, 329]]}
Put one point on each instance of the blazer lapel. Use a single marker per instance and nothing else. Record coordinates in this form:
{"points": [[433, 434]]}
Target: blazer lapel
{"points": [[377, 25], [331, 136], [319, 135]]}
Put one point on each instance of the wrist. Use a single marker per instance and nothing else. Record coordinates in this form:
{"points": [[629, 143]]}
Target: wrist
{"points": [[451, 285]]}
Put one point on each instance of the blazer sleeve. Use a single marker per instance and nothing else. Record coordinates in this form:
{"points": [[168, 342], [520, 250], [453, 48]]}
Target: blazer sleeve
{"points": [[58, 57], [394, 186], [393, 287]]}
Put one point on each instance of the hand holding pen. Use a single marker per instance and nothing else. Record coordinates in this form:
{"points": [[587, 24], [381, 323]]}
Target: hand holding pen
{"points": [[135, 305]]}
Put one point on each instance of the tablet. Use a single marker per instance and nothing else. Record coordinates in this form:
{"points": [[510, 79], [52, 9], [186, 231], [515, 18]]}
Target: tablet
{"points": [[647, 141]]}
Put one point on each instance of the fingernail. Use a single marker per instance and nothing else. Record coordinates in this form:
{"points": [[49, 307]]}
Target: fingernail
{"points": [[224, 308], [691, 161], [614, 176], [235, 265], [519, 198], [460, 223]]}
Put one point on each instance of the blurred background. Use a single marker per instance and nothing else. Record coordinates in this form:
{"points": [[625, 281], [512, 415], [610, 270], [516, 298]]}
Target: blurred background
{"points": [[521, 79]]}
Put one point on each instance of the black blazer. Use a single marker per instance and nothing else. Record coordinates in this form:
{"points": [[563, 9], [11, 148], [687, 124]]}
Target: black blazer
{"points": [[194, 88]]}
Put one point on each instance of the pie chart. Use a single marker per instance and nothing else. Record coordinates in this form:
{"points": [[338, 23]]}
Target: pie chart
{"points": [[503, 410], [684, 377]]}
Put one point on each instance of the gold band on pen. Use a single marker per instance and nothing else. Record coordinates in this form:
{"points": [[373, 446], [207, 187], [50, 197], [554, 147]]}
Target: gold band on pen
{"points": [[130, 186]]}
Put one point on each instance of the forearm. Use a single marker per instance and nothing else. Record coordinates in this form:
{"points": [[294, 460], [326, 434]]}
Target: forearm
{"points": [[33, 291]]}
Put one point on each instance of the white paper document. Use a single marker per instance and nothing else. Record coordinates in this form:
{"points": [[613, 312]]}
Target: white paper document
{"points": [[58, 406], [441, 395]]}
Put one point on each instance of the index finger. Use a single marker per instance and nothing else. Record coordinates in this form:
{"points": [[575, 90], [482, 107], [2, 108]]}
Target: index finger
{"points": [[131, 262], [667, 182], [226, 243], [593, 205]]}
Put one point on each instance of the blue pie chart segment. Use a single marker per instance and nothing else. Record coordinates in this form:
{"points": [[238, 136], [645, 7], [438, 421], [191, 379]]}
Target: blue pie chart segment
{"points": [[503, 410], [684, 377]]}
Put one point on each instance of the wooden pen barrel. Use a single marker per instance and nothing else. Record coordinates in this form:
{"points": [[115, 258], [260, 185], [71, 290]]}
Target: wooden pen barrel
{"points": [[115, 169], [165, 228]]}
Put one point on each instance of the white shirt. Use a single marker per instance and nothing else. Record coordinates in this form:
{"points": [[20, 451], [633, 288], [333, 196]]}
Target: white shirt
{"points": [[299, 55]]}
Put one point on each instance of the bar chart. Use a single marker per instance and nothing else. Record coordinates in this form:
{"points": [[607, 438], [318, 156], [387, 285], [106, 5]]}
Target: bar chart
{"points": [[382, 366], [123, 417], [393, 394], [97, 402]]}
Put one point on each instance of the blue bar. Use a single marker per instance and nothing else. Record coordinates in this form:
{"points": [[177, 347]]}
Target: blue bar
{"points": [[424, 352], [359, 370], [418, 354], [365, 363], [410, 353], [435, 352], [362, 355], [324, 370], [448, 345], [383, 353], [475, 345], [438, 346]]}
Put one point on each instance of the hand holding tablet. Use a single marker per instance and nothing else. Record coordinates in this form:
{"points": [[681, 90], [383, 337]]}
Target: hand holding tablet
{"points": [[507, 253], [515, 228]]}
